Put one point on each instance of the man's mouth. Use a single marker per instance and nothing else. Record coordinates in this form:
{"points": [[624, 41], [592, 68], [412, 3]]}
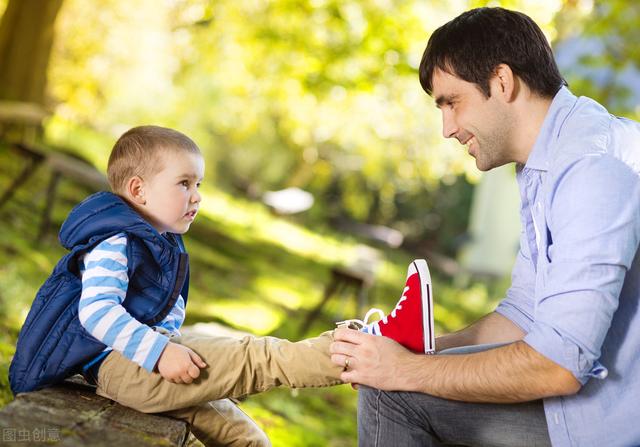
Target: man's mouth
{"points": [[470, 142], [464, 137]]}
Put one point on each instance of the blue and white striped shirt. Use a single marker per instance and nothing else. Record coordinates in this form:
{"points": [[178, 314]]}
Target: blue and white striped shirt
{"points": [[104, 288]]}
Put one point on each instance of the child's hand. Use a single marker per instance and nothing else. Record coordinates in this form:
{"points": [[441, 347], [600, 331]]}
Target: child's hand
{"points": [[179, 364]]}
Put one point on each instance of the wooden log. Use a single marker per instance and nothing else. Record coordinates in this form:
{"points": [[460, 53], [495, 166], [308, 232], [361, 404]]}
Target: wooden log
{"points": [[71, 414]]}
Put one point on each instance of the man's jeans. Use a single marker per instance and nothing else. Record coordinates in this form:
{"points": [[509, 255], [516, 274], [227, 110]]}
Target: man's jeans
{"points": [[415, 419]]}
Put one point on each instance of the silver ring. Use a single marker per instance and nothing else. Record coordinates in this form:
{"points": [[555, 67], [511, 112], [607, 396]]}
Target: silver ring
{"points": [[346, 363]]}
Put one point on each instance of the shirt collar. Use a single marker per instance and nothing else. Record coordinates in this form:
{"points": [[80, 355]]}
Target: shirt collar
{"points": [[560, 107]]}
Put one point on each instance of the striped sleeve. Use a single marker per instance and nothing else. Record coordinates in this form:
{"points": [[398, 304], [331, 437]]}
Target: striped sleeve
{"points": [[104, 287], [173, 321]]}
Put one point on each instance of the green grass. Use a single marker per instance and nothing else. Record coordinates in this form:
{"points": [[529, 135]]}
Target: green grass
{"points": [[249, 270]]}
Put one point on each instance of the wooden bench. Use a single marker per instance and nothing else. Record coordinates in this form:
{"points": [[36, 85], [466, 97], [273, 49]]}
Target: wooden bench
{"points": [[358, 276], [71, 414], [22, 120], [61, 166]]}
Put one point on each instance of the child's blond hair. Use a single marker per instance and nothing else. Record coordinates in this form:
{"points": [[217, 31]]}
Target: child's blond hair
{"points": [[136, 153]]}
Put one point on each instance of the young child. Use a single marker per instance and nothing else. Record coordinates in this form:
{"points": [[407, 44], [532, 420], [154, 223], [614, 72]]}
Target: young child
{"points": [[113, 306]]}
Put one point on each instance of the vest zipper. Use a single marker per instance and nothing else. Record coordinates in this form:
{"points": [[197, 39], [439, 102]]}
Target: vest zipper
{"points": [[183, 267]]}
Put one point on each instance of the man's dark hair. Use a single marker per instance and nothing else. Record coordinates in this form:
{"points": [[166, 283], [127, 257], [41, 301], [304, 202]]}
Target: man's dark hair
{"points": [[473, 44]]}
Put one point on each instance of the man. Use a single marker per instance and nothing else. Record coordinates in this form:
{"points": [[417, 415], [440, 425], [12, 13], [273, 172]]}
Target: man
{"points": [[563, 365]]}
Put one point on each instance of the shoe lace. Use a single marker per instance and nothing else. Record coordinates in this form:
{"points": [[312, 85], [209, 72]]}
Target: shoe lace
{"points": [[398, 306], [354, 323]]}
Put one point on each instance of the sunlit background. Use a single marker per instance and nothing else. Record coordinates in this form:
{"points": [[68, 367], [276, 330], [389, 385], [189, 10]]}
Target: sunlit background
{"points": [[319, 98]]}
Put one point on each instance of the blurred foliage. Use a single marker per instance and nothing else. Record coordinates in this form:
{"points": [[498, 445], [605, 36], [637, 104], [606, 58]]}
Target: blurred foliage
{"points": [[604, 34], [319, 94]]}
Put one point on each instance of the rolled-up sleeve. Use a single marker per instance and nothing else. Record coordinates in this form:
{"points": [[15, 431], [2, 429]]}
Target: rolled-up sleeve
{"points": [[593, 219]]}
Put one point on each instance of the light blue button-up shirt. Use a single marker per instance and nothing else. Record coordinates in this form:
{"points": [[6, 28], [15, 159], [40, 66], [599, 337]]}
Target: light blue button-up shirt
{"points": [[576, 282]]}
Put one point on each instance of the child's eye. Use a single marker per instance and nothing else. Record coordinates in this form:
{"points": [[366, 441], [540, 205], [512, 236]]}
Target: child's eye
{"points": [[198, 185], [185, 183]]}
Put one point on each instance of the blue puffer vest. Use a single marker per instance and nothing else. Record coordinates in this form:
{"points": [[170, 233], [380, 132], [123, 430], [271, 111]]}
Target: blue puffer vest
{"points": [[52, 344]]}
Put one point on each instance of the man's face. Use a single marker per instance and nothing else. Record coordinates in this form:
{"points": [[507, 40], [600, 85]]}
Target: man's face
{"points": [[483, 124]]}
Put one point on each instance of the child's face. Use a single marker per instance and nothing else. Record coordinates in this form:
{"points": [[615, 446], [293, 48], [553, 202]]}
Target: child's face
{"points": [[171, 196]]}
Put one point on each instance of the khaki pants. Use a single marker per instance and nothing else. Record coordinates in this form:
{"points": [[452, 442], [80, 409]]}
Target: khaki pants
{"points": [[235, 368]]}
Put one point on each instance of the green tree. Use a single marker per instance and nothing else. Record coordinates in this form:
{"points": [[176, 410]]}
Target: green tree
{"points": [[26, 38]]}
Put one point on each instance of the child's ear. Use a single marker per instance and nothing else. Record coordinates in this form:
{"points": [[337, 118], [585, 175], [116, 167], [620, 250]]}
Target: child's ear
{"points": [[135, 190]]}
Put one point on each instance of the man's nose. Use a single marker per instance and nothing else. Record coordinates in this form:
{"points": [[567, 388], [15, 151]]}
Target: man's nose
{"points": [[449, 126]]}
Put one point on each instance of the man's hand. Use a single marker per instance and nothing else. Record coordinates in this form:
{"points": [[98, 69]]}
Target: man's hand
{"points": [[374, 361], [507, 374], [179, 364]]}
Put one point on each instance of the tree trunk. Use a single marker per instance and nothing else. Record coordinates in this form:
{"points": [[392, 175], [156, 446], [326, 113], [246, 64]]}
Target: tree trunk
{"points": [[26, 38]]}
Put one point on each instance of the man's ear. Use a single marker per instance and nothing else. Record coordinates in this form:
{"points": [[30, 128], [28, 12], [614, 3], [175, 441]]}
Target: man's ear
{"points": [[504, 83], [135, 190]]}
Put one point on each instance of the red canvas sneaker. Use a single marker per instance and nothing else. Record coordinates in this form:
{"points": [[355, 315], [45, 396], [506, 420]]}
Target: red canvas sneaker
{"points": [[411, 322]]}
